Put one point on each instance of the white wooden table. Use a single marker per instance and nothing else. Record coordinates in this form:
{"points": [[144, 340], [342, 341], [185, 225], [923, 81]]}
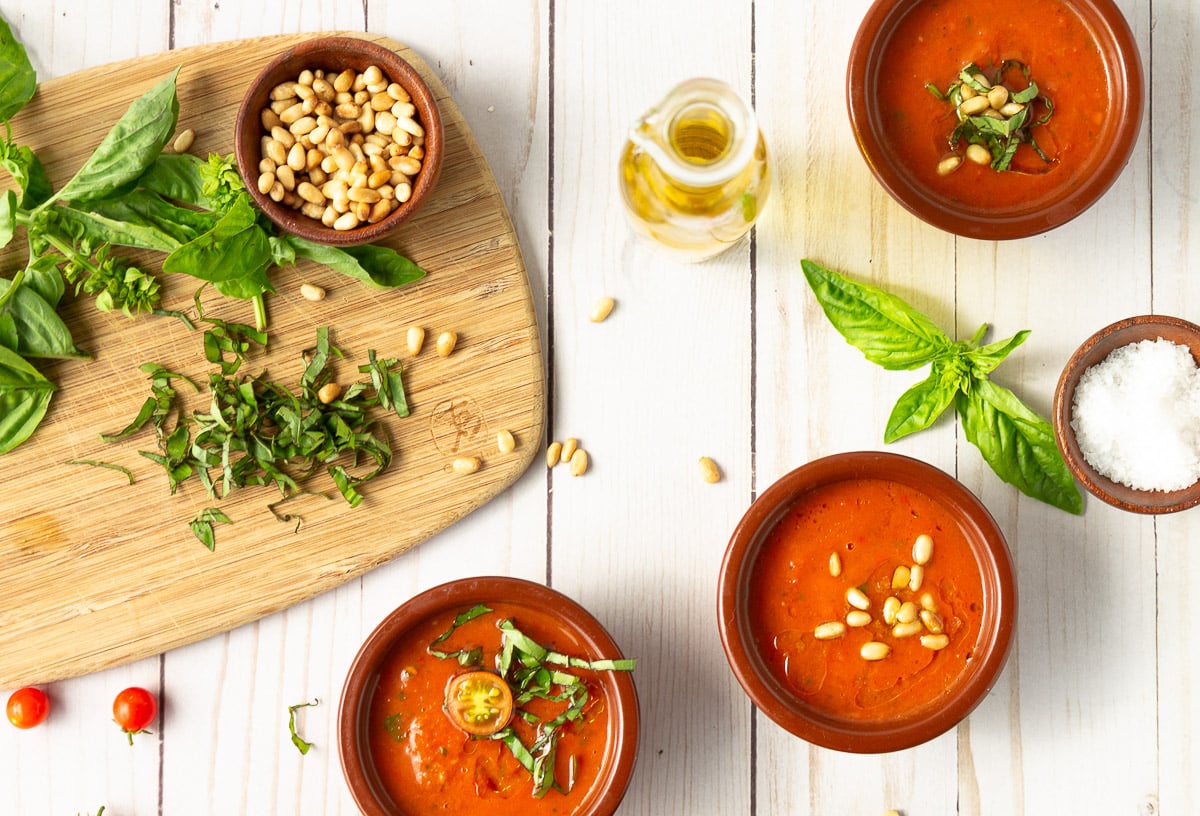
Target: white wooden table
{"points": [[1097, 709]]}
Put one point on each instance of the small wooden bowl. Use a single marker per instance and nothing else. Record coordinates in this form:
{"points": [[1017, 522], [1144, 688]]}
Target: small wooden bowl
{"points": [[900, 729], [336, 54], [1093, 351], [363, 680]]}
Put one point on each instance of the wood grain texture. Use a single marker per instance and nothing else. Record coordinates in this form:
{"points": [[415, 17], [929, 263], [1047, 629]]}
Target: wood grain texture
{"points": [[102, 572]]}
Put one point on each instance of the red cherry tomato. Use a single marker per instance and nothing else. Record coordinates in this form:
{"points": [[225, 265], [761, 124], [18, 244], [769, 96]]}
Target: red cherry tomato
{"points": [[134, 710], [28, 707]]}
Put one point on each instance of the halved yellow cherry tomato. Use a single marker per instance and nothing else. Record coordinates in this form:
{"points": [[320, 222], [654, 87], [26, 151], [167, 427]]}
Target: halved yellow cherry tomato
{"points": [[479, 702]]}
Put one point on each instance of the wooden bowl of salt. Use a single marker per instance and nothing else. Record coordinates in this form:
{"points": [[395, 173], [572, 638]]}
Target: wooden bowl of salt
{"points": [[1127, 414]]}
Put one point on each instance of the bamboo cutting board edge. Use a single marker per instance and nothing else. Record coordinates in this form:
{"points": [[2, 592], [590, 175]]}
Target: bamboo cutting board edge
{"points": [[66, 605]]}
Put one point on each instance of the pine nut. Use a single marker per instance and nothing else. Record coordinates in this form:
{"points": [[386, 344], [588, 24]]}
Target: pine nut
{"points": [[416, 339], [982, 80], [363, 195], [553, 454], [505, 443], [856, 598], [579, 463], [284, 136], [345, 221], [907, 612], [372, 75], [709, 471], [601, 309], [874, 650], [903, 630], [380, 210], [829, 630], [927, 602], [966, 91], [310, 193], [310, 291], [275, 151], [891, 608], [569, 446], [916, 577], [446, 341], [183, 142], [1011, 109], [948, 165], [287, 177], [900, 577], [973, 106], [396, 92], [935, 642], [283, 90], [344, 81], [835, 564], [932, 621], [922, 549], [265, 182], [997, 97], [466, 464], [857, 618], [979, 154], [329, 392]]}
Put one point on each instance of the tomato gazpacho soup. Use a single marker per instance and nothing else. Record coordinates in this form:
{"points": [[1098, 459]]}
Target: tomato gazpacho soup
{"points": [[492, 710], [996, 107], [866, 600]]}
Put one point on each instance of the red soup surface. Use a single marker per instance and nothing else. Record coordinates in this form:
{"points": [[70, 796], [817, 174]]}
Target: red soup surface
{"points": [[937, 39], [428, 765], [871, 525]]}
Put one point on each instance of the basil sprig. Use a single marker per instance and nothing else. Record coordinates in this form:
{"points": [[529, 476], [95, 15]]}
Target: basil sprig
{"points": [[1017, 443]]}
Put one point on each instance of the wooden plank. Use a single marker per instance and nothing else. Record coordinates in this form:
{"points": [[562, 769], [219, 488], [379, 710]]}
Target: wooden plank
{"points": [[104, 573]]}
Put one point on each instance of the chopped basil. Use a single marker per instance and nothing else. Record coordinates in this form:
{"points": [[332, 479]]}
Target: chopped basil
{"points": [[297, 740]]}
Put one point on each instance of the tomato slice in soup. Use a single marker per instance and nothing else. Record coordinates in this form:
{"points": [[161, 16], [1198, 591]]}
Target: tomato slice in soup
{"points": [[479, 702]]}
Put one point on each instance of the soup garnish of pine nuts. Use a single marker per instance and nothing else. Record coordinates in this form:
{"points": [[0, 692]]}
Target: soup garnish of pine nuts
{"points": [[342, 148]]}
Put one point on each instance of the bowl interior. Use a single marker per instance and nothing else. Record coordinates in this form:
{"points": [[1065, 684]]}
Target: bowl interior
{"points": [[1093, 351], [363, 681], [335, 54], [1110, 143], [907, 728]]}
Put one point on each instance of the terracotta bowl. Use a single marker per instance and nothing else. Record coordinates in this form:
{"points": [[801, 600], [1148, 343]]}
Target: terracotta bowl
{"points": [[1093, 351], [363, 684], [898, 728], [1099, 166], [334, 55]]}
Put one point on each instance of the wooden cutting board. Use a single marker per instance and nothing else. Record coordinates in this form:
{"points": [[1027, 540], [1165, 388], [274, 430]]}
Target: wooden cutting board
{"points": [[95, 572]]}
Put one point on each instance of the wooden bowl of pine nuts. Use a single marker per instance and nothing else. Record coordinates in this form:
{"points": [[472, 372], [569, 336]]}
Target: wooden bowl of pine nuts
{"points": [[867, 602], [339, 140], [997, 126]]}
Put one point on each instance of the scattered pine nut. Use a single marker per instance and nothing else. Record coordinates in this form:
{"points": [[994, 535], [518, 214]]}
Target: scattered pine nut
{"points": [[466, 464], [709, 471], [977, 152], [907, 612], [579, 462], [932, 621], [416, 340], [601, 309], [903, 630], [505, 443], [829, 630], [900, 577], [446, 341], [310, 291], [948, 165], [856, 598], [835, 564], [553, 454], [922, 549], [874, 650], [329, 392], [927, 602], [891, 608], [857, 618], [183, 141], [935, 642], [568, 449], [916, 576]]}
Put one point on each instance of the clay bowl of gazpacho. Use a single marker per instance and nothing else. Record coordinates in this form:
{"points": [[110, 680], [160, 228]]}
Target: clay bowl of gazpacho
{"points": [[867, 602], [1127, 414], [995, 125], [489, 695]]}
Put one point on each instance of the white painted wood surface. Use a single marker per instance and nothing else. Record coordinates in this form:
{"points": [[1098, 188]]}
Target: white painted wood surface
{"points": [[1097, 710]]}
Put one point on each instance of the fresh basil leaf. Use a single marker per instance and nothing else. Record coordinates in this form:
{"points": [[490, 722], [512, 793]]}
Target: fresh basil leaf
{"points": [[145, 209], [132, 145], [202, 525], [235, 248], [40, 331], [43, 277], [93, 228], [8, 217], [1018, 444], [24, 397], [377, 266], [27, 171], [8, 331], [888, 331], [920, 406], [985, 358], [18, 80], [176, 176]]}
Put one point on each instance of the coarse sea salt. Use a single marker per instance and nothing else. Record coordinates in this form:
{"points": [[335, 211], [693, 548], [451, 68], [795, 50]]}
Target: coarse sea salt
{"points": [[1136, 416]]}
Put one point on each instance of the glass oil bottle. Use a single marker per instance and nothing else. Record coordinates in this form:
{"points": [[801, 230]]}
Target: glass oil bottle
{"points": [[693, 173]]}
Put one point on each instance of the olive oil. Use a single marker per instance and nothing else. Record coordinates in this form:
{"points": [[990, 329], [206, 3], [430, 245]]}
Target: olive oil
{"points": [[693, 173]]}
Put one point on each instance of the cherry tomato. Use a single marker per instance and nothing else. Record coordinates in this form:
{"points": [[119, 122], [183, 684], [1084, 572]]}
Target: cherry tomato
{"points": [[28, 707], [134, 710], [479, 702]]}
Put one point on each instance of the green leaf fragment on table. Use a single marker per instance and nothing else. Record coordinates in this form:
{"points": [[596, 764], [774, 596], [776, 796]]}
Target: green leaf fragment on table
{"points": [[107, 465], [202, 525], [301, 744], [40, 331], [24, 397]]}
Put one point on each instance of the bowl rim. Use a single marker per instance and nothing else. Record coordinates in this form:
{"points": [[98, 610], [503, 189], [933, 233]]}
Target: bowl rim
{"points": [[1111, 29], [624, 723], [310, 53], [1094, 349], [771, 695]]}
